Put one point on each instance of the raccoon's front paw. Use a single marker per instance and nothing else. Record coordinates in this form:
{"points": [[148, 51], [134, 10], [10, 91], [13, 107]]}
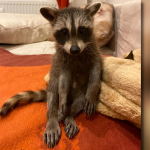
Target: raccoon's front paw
{"points": [[71, 127], [52, 134], [89, 107]]}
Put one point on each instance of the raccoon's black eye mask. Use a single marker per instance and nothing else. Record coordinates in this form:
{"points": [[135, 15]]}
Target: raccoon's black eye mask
{"points": [[84, 33], [82, 30], [62, 35], [64, 31]]}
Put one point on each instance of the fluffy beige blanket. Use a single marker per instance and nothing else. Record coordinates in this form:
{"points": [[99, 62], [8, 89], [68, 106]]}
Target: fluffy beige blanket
{"points": [[120, 96], [121, 88]]}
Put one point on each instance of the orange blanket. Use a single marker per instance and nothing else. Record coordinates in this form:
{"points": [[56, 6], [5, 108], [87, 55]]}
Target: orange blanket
{"points": [[23, 127]]}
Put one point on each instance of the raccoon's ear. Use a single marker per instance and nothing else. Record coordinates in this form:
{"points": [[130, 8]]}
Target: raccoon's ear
{"points": [[49, 13], [93, 8]]}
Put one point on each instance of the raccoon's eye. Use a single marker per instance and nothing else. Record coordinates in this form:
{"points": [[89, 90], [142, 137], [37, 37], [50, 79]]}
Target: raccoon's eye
{"points": [[81, 30], [64, 32]]}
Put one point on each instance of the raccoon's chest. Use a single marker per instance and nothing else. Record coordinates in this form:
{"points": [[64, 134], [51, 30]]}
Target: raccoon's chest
{"points": [[80, 79], [80, 76], [80, 66]]}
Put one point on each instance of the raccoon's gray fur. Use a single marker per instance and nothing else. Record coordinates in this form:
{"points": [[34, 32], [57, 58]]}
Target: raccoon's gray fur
{"points": [[75, 73]]}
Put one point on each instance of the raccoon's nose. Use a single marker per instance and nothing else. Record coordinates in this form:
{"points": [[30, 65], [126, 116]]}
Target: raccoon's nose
{"points": [[74, 50]]}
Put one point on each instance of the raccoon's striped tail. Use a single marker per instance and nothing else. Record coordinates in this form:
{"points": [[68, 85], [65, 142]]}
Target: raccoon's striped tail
{"points": [[27, 96]]}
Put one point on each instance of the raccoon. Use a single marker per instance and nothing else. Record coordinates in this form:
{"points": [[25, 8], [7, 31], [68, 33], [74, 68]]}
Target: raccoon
{"points": [[75, 74]]}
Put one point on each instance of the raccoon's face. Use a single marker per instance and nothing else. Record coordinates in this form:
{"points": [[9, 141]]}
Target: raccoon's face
{"points": [[72, 27]]}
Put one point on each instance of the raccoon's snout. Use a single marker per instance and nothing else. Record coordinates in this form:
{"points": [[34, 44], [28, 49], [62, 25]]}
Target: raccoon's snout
{"points": [[74, 50]]}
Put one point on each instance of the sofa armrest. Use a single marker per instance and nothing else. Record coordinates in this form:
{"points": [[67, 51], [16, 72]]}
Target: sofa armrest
{"points": [[127, 28]]}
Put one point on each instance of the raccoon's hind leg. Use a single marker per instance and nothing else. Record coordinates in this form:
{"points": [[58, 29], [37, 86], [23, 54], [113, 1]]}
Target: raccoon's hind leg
{"points": [[27, 96], [71, 127]]}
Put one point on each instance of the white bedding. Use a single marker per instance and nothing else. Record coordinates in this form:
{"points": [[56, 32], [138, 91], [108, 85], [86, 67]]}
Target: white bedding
{"points": [[45, 47]]}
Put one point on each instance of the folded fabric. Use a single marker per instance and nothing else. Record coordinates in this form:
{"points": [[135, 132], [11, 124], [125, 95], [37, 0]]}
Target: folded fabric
{"points": [[121, 89]]}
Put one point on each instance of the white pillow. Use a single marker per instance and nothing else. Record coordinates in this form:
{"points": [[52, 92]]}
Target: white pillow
{"points": [[129, 33], [23, 28]]}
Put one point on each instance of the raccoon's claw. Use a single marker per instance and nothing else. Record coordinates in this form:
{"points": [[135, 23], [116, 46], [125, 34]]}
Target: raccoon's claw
{"points": [[89, 108], [52, 134]]}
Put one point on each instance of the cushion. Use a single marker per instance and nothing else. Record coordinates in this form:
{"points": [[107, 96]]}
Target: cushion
{"points": [[129, 31], [23, 28], [103, 23]]}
